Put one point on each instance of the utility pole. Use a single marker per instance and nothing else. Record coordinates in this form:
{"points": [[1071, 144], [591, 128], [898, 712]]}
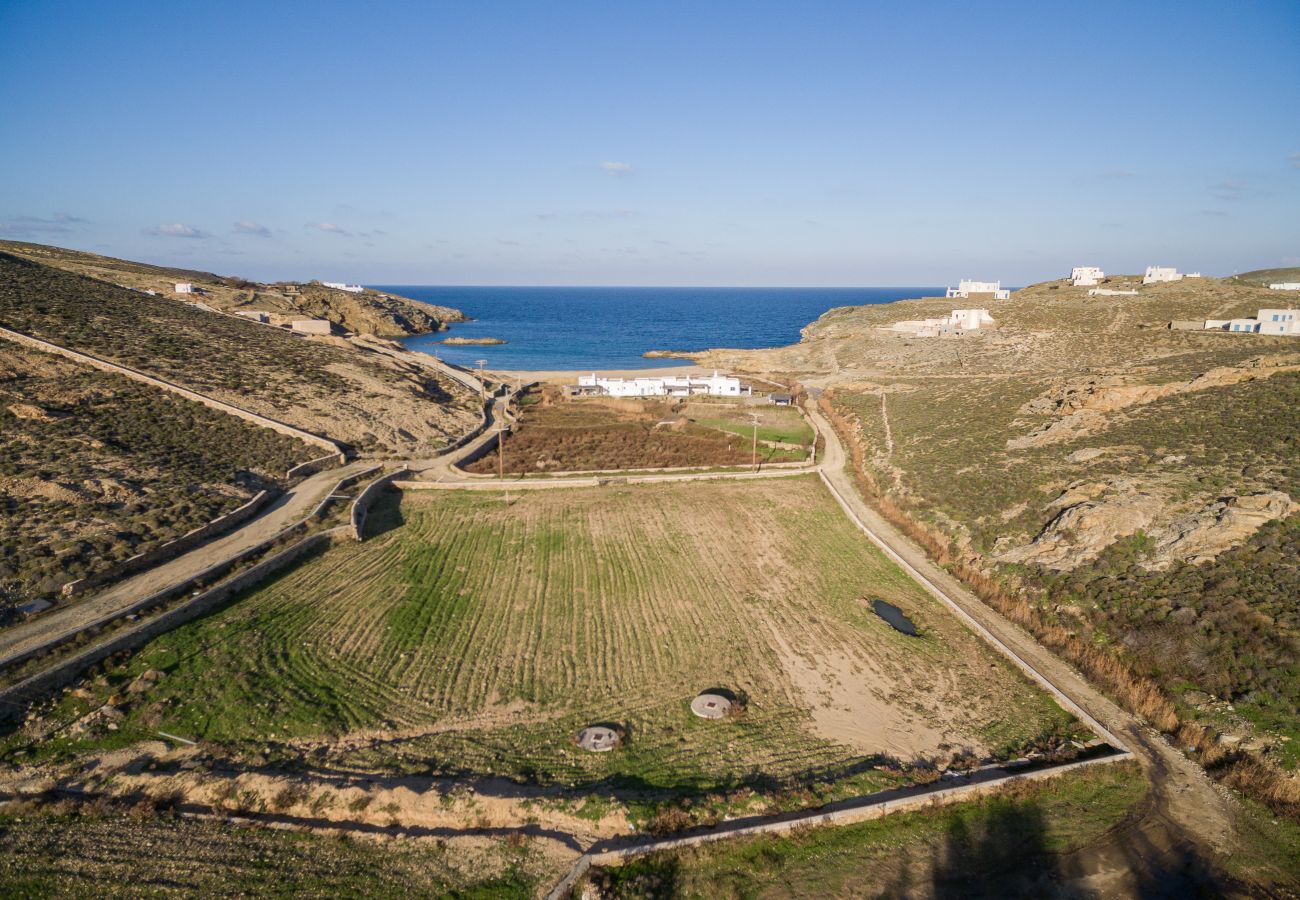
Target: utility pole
{"points": [[754, 417], [482, 386]]}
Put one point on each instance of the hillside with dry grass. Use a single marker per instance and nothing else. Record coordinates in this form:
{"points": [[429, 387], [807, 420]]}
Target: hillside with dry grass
{"points": [[371, 312], [374, 402], [1134, 485], [95, 468]]}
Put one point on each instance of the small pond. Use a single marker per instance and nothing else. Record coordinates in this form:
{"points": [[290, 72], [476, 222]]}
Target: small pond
{"points": [[894, 616]]}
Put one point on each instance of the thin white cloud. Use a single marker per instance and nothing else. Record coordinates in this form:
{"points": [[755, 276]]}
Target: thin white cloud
{"points": [[176, 229], [617, 169], [329, 228], [244, 226], [1295, 160], [35, 226]]}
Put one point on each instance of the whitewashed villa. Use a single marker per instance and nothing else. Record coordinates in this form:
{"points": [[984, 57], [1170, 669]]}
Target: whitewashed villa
{"points": [[1086, 276], [965, 288], [714, 385], [1268, 321]]}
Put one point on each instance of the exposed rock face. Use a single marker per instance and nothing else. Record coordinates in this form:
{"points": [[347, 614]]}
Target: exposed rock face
{"points": [[1093, 516], [1082, 406], [383, 315], [31, 411], [1207, 532]]}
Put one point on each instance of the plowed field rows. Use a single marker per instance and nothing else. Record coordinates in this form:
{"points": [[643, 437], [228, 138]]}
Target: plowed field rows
{"points": [[468, 637]]}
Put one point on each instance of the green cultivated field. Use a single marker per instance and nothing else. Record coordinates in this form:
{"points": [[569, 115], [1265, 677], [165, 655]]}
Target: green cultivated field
{"points": [[469, 639]]}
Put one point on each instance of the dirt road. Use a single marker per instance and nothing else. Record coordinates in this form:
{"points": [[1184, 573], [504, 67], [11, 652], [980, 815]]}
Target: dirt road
{"points": [[1186, 816], [284, 511]]}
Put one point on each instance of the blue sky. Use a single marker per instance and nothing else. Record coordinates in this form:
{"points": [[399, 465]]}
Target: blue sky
{"points": [[669, 143]]}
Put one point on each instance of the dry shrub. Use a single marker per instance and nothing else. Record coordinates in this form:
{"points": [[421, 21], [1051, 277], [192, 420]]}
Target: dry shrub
{"points": [[1254, 776], [287, 796], [670, 819], [1263, 780]]}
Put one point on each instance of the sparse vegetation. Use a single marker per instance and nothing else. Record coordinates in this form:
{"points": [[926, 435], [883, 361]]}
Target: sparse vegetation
{"points": [[95, 468], [1010, 844], [366, 400], [72, 849]]}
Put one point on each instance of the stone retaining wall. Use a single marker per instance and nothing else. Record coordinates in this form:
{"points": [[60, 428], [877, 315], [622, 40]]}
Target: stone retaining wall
{"points": [[14, 699], [847, 813], [76, 355], [216, 570], [361, 505], [182, 544]]}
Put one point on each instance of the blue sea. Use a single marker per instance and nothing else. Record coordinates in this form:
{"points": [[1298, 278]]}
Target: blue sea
{"points": [[611, 327]]}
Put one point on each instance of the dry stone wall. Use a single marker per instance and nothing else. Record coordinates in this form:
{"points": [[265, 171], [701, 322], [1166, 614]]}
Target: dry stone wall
{"points": [[334, 450], [14, 699], [163, 552]]}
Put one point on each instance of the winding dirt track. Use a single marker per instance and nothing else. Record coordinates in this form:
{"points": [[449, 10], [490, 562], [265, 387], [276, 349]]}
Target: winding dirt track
{"points": [[1166, 847], [1187, 819]]}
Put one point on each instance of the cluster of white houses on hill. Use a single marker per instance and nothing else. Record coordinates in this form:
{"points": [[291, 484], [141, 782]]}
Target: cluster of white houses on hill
{"points": [[714, 385]]}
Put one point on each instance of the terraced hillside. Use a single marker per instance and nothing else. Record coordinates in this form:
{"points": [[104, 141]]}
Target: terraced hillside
{"points": [[472, 639], [370, 401], [95, 468]]}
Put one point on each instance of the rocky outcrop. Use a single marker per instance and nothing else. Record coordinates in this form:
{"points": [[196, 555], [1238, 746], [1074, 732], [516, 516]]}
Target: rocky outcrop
{"points": [[1082, 406], [1205, 533], [1089, 517], [372, 312]]}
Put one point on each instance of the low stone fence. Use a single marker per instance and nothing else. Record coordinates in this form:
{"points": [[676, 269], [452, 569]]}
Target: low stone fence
{"points": [[849, 812], [361, 505], [601, 481], [334, 449], [312, 466], [176, 547], [14, 699], [216, 570]]}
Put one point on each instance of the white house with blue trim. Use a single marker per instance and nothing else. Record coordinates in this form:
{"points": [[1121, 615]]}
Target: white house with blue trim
{"points": [[1268, 321]]}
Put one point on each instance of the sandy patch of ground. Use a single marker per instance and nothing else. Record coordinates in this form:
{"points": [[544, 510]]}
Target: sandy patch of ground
{"points": [[837, 689]]}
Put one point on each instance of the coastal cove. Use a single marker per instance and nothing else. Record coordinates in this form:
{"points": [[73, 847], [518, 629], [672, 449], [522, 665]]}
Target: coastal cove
{"points": [[552, 328]]}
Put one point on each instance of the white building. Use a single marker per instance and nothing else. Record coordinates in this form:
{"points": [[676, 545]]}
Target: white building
{"points": [[184, 287], [1268, 321], [1161, 273], [714, 385], [340, 286], [965, 288], [1279, 321], [1086, 276], [1285, 286], [1107, 292], [256, 315], [311, 326], [956, 322]]}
